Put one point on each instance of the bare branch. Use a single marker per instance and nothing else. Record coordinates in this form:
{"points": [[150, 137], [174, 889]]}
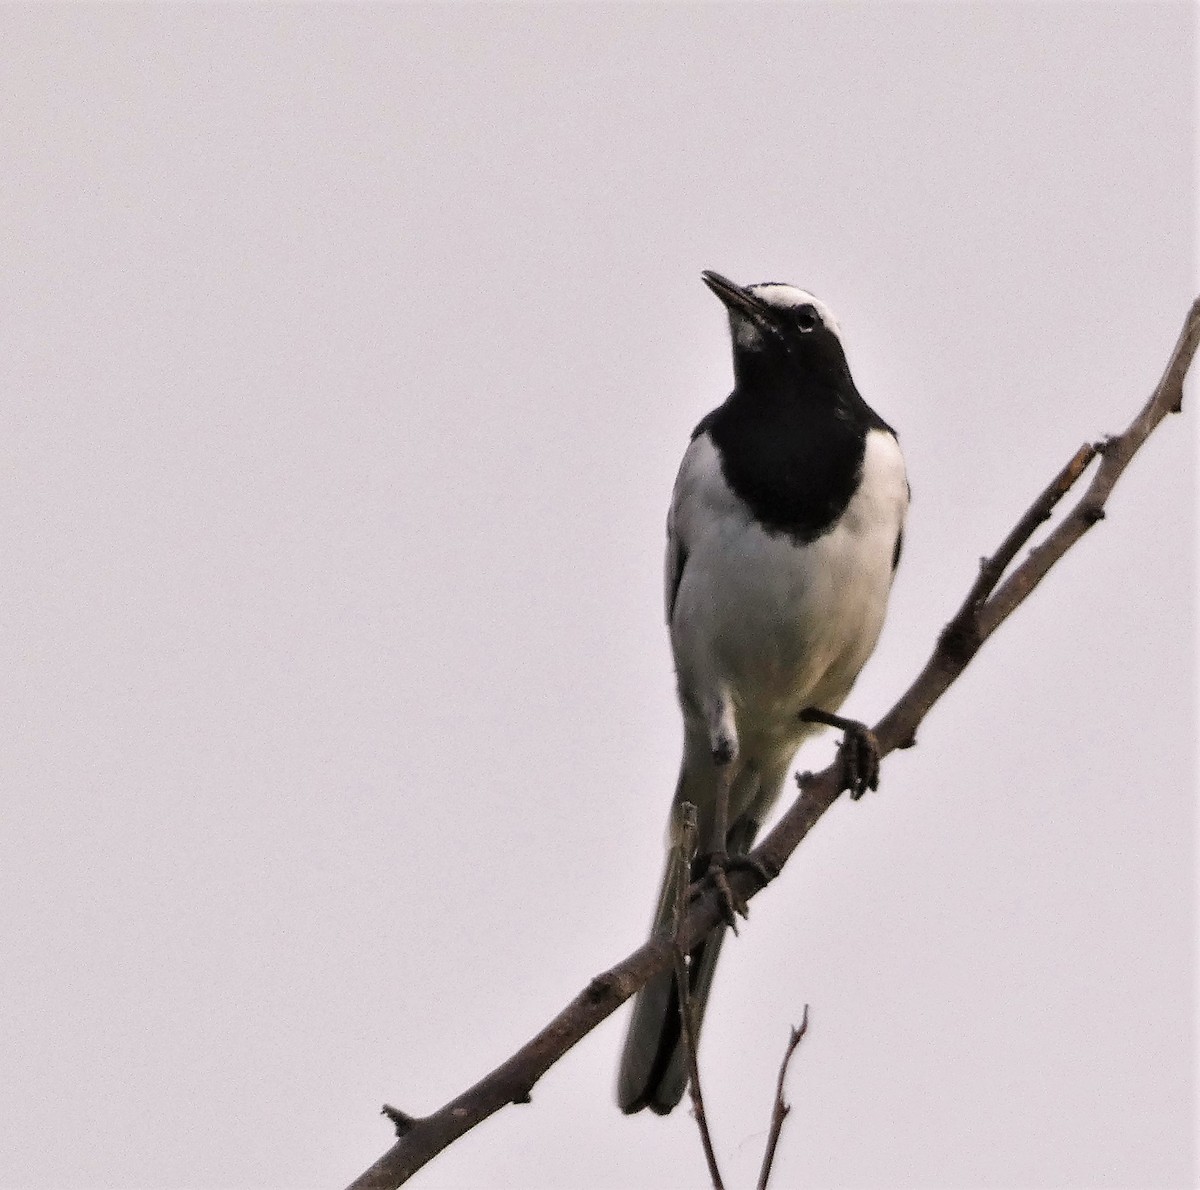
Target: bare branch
{"points": [[984, 610], [687, 1013], [991, 570], [1115, 455], [780, 1111]]}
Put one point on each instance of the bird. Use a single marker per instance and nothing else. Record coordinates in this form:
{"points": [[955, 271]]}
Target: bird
{"points": [[784, 532]]}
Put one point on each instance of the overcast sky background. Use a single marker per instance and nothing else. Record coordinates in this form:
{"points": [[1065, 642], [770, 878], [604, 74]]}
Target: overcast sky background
{"points": [[349, 354]]}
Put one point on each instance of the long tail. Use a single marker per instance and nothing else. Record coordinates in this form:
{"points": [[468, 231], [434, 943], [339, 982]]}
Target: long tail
{"points": [[653, 1070]]}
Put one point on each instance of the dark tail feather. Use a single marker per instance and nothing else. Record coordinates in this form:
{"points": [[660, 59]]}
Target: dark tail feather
{"points": [[653, 1070]]}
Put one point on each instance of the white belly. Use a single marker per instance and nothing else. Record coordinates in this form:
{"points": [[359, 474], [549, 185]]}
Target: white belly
{"points": [[774, 626]]}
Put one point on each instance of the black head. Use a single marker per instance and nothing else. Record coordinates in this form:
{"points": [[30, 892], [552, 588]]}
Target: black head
{"points": [[780, 331], [792, 435]]}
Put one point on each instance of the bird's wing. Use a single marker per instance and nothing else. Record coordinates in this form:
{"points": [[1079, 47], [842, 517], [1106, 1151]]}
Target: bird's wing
{"points": [[691, 499], [674, 563], [677, 544]]}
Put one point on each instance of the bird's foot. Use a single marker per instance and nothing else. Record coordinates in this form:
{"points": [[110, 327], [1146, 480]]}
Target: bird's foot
{"points": [[720, 863], [859, 751]]}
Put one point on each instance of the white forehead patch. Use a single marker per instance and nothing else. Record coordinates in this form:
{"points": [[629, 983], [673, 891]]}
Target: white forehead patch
{"points": [[786, 297], [782, 297]]}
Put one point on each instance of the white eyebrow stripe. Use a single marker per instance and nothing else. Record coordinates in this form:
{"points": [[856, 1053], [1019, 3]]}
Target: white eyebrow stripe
{"points": [[787, 297]]}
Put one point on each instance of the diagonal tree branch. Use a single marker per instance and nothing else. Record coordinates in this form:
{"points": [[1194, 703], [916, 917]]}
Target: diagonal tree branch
{"points": [[990, 601]]}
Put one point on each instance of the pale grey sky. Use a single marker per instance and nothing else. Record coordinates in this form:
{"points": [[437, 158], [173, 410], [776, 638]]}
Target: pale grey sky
{"points": [[349, 353]]}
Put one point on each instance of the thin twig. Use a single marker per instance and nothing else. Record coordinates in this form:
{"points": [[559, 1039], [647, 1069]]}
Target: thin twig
{"points": [[687, 1016], [780, 1111], [513, 1080], [991, 570]]}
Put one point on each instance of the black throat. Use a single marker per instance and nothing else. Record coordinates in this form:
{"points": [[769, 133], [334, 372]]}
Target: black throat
{"points": [[791, 443]]}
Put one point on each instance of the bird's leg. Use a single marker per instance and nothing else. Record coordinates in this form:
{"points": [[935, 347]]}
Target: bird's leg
{"points": [[723, 744], [859, 751], [718, 855], [723, 747], [720, 862]]}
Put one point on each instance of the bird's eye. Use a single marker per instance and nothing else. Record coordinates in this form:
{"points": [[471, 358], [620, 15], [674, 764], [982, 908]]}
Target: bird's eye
{"points": [[806, 318]]}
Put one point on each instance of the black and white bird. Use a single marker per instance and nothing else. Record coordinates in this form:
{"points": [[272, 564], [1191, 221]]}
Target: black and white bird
{"points": [[783, 536]]}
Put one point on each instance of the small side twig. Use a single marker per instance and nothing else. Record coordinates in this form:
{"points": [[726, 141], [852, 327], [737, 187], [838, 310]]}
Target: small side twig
{"points": [[401, 1120], [991, 570], [687, 1017], [780, 1111]]}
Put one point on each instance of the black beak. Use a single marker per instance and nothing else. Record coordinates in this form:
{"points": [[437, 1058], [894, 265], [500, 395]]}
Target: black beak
{"points": [[741, 300]]}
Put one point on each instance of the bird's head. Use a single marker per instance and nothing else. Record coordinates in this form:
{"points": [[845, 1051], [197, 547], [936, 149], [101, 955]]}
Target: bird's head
{"points": [[778, 327]]}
